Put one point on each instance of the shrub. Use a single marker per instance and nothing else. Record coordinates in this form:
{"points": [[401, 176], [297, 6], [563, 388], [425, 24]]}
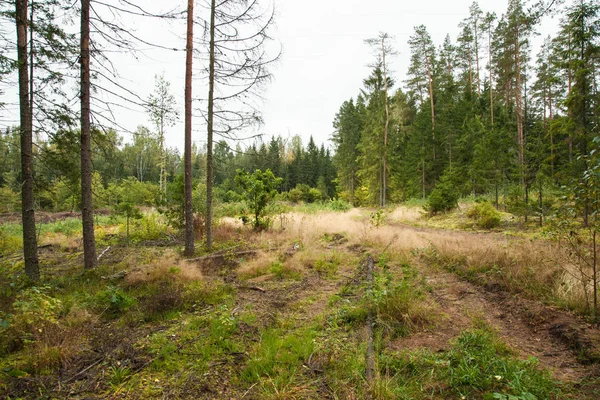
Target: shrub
{"points": [[9, 200], [484, 215], [259, 190], [113, 301], [340, 205], [443, 197], [33, 311], [9, 243]]}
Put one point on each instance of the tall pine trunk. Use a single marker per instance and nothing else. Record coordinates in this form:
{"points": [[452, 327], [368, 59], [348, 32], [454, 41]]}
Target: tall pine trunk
{"points": [[189, 212], [87, 208], [209, 133], [387, 124], [32, 268]]}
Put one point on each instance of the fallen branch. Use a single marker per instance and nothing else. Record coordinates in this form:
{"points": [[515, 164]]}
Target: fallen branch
{"points": [[102, 254], [258, 289], [83, 371]]}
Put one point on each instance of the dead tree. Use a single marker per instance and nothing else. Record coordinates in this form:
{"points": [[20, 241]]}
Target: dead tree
{"points": [[384, 50], [238, 69], [189, 215]]}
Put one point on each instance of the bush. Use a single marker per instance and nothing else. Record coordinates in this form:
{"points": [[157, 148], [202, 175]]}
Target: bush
{"points": [[443, 198], [9, 200], [484, 215], [9, 243], [340, 205], [33, 311], [113, 301]]}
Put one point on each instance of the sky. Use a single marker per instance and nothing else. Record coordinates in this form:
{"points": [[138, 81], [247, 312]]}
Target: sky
{"points": [[323, 63]]}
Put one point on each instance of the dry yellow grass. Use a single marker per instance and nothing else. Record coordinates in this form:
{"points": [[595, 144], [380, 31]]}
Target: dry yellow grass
{"points": [[163, 266], [257, 266], [537, 267]]}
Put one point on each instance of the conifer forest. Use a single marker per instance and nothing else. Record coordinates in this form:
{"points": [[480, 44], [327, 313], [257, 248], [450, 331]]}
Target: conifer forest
{"points": [[439, 242]]}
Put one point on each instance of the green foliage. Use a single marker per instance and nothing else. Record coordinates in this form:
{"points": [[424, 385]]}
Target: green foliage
{"points": [[339, 205], [9, 200], [477, 366], [9, 242], [113, 301], [259, 190], [33, 311], [327, 265], [174, 209], [484, 215], [279, 355], [444, 197], [148, 226]]}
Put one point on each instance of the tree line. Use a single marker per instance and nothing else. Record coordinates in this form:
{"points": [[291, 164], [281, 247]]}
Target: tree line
{"points": [[478, 114]]}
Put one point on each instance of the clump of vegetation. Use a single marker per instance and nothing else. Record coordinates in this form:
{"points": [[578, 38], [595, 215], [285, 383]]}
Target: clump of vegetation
{"points": [[259, 190], [484, 215], [113, 301], [444, 197], [9, 243], [33, 311], [327, 264], [400, 306], [477, 366]]}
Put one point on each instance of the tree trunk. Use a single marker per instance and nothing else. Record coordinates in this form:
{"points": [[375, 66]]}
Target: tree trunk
{"points": [[491, 85], [387, 124], [32, 268], [189, 212], [87, 209], [477, 60], [430, 78], [209, 136]]}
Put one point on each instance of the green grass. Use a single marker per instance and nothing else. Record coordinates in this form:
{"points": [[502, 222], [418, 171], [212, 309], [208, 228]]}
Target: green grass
{"points": [[478, 365]]}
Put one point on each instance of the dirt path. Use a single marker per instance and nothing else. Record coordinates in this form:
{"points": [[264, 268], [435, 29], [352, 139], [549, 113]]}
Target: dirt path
{"points": [[529, 328]]}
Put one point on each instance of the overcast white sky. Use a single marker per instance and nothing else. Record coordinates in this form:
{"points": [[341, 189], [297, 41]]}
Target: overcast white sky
{"points": [[323, 64]]}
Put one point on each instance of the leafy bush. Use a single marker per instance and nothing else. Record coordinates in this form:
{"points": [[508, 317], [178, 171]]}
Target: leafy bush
{"points": [[484, 215], [150, 226]]}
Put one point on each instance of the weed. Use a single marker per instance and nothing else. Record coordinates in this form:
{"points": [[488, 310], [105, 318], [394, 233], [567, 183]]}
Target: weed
{"points": [[117, 375], [284, 271], [279, 358], [113, 301], [327, 265]]}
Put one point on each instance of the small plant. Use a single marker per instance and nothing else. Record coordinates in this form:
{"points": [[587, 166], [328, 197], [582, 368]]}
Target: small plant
{"points": [[114, 301], [282, 271], [378, 217], [33, 311], [484, 215], [339, 205], [118, 375], [328, 265]]}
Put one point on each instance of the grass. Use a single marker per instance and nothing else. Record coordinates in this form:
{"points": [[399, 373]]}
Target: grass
{"points": [[478, 365], [288, 322]]}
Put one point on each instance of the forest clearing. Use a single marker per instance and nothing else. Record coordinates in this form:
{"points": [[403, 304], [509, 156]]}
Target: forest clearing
{"points": [[420, 222], [284, 313]]}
